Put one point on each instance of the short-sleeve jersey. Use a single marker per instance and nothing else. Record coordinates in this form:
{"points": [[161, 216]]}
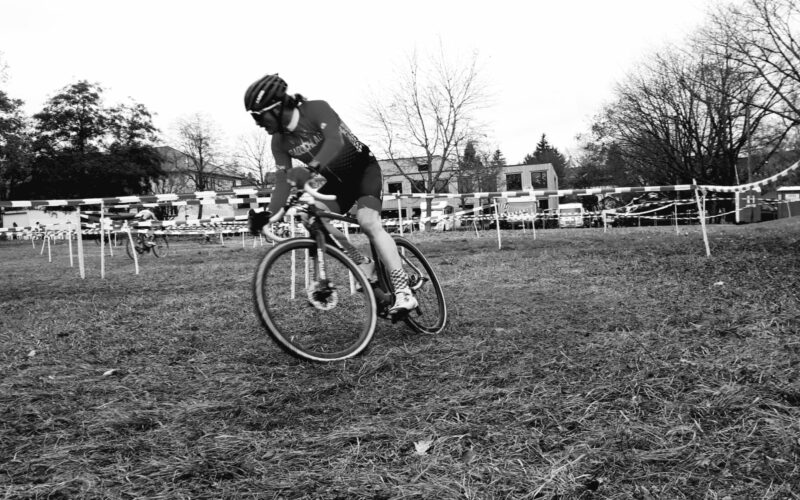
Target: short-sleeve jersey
{"points": [[145, 215], [316, 137]]}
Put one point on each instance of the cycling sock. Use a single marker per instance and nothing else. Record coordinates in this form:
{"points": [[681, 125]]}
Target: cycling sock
{"points": [[354, 254], [399, 279]]}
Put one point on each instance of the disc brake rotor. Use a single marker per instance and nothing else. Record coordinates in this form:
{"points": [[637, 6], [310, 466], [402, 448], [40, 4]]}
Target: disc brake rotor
{"points": [[323, 296]]}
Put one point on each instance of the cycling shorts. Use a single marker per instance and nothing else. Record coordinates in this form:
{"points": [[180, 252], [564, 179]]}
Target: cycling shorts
{"points": [[351, 185]]}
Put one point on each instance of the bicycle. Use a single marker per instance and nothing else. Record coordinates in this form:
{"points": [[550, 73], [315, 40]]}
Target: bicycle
{"points": [[140, 246], [328, 311]]}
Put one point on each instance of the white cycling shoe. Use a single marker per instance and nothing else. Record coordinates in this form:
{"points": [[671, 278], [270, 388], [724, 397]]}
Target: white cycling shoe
{"points": [[404, 301]]}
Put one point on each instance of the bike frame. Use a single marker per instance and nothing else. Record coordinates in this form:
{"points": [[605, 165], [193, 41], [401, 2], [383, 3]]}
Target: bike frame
{"points": [[312, 216], [140, 246], [323, 246], [321, 235]]}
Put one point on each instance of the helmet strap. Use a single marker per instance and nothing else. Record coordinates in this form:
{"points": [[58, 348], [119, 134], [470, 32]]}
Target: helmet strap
{"points": [[281, 128]]}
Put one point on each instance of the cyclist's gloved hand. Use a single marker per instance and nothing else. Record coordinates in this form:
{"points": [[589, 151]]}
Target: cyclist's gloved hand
{"points": [[298, 176], [257, 220]]}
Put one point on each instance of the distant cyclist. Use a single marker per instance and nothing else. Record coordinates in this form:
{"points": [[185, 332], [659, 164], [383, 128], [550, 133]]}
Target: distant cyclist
{"points": [[145, 214], [312, 132]]}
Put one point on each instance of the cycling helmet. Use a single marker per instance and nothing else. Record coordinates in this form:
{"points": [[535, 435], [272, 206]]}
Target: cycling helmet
{"points": [[264, 92]]}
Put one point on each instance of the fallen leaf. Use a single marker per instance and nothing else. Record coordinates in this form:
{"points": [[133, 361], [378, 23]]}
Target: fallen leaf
{"points": [[423, 446]]}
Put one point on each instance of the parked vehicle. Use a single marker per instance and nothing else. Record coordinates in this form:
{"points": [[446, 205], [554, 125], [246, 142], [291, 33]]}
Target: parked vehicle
{"points": [[570, 215]]}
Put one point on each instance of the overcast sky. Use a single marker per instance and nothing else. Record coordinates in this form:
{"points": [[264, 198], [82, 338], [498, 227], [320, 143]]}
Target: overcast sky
{"points": [[549, 65]]}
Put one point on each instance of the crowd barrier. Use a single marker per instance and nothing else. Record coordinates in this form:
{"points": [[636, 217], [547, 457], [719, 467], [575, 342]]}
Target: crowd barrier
{"points": [[243, 196]]}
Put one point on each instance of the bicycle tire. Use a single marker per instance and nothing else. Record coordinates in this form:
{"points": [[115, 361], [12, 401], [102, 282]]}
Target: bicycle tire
{"points": [[130, 248], [301, 329], [161, 248], [430, 317]]}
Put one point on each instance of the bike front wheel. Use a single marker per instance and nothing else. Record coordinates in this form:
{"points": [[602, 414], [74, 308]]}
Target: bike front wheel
{"points": [[430, 316], [161, 248], [321, 322]]}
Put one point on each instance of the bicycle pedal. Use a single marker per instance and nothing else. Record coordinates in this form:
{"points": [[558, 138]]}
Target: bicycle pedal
{"points": [[398, 315]]}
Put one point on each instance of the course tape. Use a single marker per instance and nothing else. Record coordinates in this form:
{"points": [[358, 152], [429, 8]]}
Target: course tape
{"points": [[253, 195], [233, 225], [753, 185]]}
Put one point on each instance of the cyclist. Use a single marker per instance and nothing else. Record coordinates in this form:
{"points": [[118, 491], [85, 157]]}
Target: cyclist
{"points": [[312, 132], [145, 214]]}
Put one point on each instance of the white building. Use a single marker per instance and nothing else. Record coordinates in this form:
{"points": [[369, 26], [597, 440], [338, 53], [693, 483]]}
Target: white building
{"points": [[411, 175]]}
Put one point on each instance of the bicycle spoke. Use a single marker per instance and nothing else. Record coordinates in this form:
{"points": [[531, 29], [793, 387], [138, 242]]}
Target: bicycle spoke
{"points": [[314, 320], [431, 314], [161, 248]]}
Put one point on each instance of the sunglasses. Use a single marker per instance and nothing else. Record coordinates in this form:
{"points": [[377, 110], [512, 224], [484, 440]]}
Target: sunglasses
{"points": [[257, 115]]}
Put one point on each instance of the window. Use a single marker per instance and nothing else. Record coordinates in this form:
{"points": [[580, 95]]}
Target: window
{"points": [[424, 167], [514, 182], [418, 186], [395, 187], [539, 179], [441, 186]]}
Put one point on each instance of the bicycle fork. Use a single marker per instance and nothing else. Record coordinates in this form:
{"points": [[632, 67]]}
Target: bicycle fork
{"points": [[321, 294]]}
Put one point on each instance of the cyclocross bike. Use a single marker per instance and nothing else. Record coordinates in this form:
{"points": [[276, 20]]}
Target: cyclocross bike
{"points": [[316, 302], [160, 249]]}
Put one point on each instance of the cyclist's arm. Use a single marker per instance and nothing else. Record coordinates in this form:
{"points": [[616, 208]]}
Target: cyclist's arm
{"points": [[329, 123], [283, 163]]}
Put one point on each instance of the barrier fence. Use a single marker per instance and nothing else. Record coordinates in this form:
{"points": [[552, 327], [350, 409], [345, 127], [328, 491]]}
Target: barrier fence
{"points": [[241, 196]]}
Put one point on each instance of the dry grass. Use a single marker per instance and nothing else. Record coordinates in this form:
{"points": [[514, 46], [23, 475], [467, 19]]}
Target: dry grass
{"points": [[581, 364]]}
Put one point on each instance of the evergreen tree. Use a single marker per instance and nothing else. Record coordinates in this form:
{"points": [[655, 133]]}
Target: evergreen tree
{"points": [[478, 170], [498, 160], [468, 166], [545, 153], [603, 165]]}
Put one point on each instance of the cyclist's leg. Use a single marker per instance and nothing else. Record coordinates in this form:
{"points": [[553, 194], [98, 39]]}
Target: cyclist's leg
{"points": [[369, 218], [349, 250], [346, 196], [370, 221]]}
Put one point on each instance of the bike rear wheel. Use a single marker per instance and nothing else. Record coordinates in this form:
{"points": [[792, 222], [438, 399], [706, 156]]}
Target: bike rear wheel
{"points": [[309, 320], [130, 248], [430, 316], [161, 248]]}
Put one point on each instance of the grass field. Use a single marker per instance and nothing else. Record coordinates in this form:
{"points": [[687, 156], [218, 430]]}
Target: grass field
{"points": [[581, 364]]}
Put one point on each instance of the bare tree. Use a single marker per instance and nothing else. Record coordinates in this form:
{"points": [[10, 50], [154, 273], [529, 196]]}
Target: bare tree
{"points": [[762, 38], [256, 155], [200, 140], [686, 116], [429, 115]]}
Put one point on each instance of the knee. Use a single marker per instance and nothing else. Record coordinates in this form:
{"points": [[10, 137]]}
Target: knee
{"points": [[370, 226]]}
